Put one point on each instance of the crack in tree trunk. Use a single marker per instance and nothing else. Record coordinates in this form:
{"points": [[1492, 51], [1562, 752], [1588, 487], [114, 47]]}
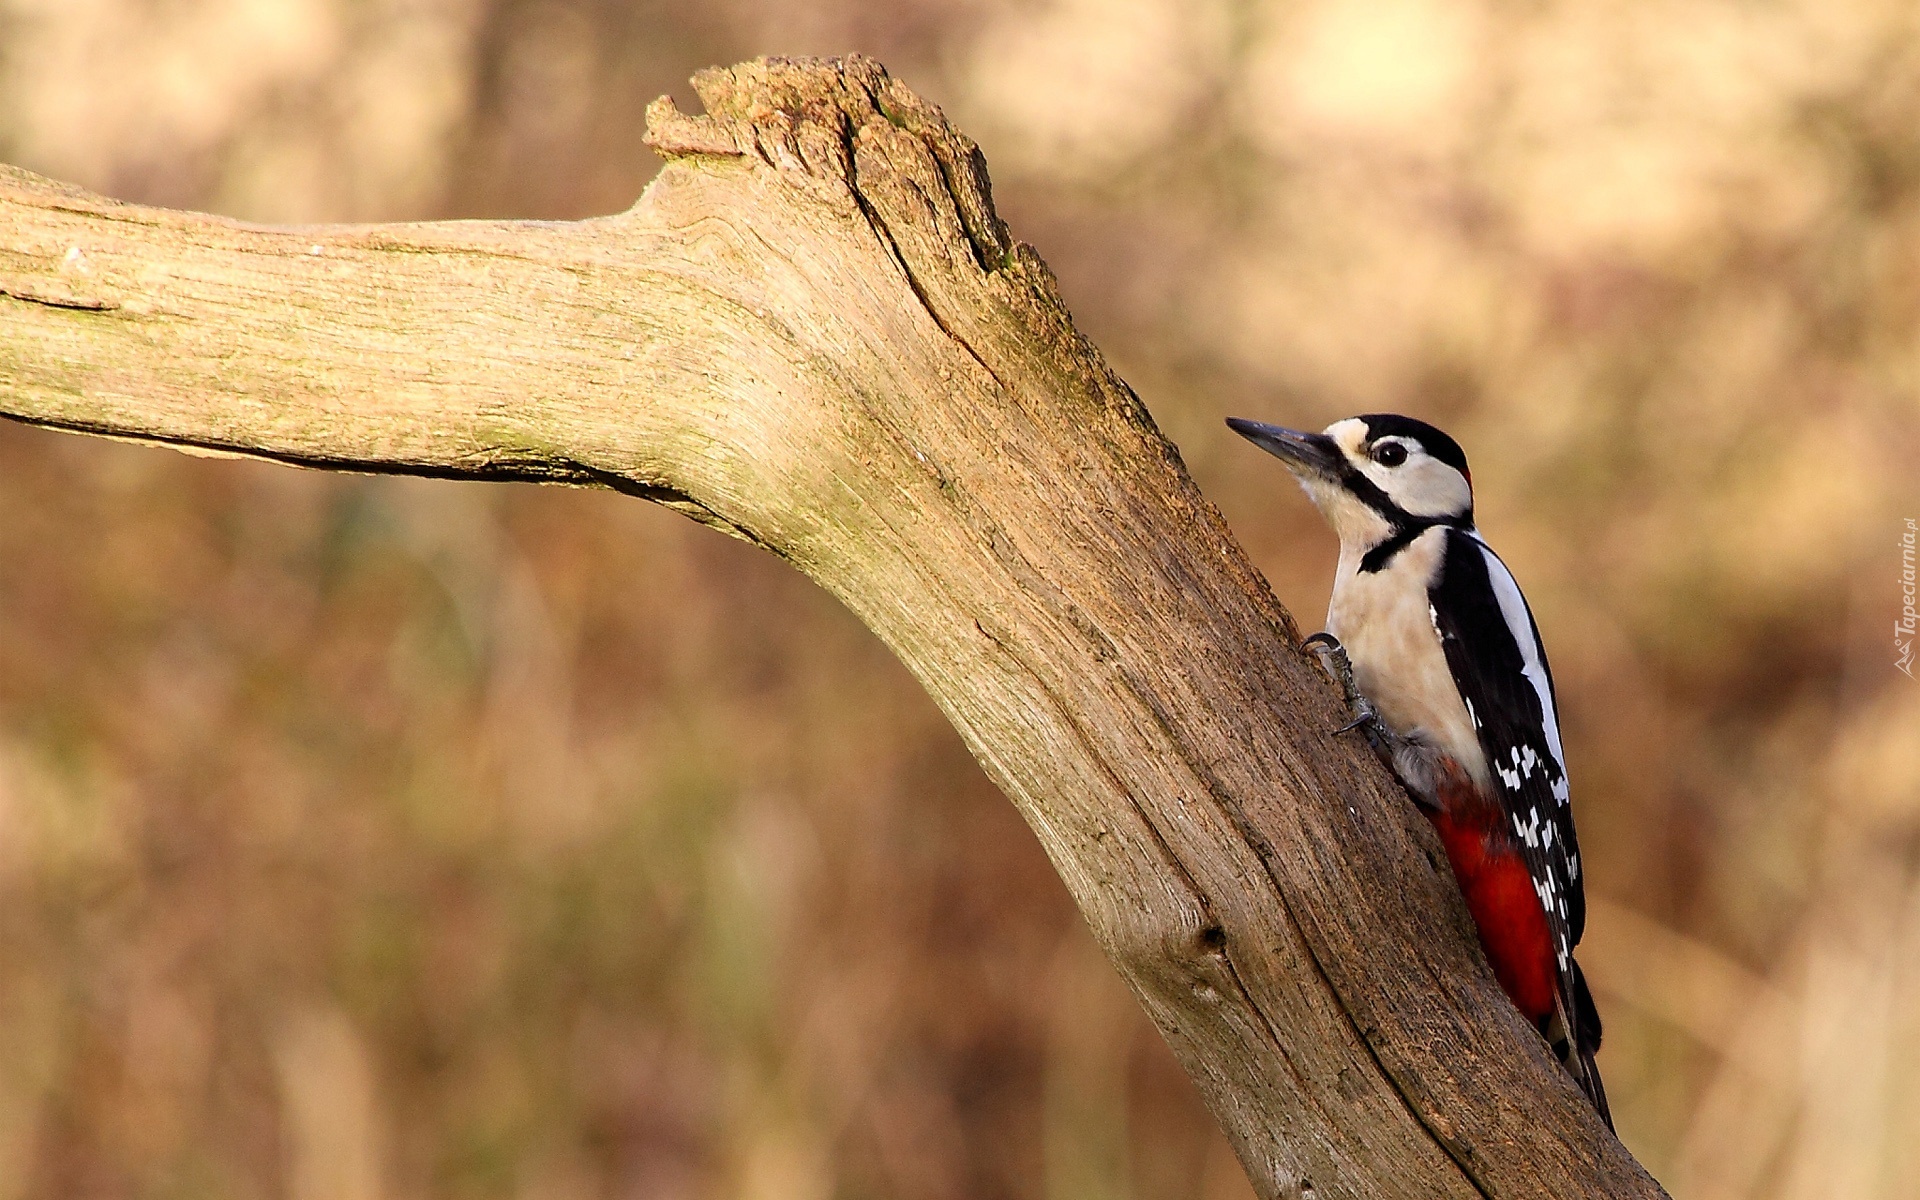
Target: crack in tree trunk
{"points": [[813, 332]]}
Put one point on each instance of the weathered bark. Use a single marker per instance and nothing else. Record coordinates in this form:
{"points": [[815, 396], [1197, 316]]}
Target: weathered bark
{"points": [[813, 332]]}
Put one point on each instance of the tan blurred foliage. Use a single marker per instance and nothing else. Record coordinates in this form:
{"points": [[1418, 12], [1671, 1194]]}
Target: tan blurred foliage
{"points": [[375, 839]]}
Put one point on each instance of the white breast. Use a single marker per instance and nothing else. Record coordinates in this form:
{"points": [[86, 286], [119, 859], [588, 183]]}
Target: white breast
{"points": [[1385, 621]]}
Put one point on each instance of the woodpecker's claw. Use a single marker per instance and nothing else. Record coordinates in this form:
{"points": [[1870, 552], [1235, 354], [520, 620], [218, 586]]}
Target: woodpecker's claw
{"points": [[1366, 719], [1371, 727], [1334, 657]]}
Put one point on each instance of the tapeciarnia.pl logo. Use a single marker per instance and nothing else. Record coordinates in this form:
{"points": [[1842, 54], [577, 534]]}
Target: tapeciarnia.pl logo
{"points": [[1903, 628]]}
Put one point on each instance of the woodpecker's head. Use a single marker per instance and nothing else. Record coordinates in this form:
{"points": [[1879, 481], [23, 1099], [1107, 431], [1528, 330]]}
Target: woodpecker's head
{"points": [[1375, 474]]}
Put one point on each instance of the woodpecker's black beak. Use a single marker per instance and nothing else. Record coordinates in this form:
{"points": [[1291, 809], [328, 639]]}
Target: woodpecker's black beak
{"points": [[1304, 453]]}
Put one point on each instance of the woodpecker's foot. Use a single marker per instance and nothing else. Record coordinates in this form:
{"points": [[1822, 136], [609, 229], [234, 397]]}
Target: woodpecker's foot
{"points": [[1333, 656]]}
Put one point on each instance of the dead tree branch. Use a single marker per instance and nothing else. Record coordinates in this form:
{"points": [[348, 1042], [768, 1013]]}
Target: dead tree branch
{"points": [[813, 332]]}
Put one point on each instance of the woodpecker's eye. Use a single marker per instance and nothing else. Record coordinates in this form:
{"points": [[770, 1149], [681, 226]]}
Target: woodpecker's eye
{"points": [[1389, 454]]}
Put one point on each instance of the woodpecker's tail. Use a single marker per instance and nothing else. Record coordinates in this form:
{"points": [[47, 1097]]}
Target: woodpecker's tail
{"points": [[1572, 1029], [1585, 1043]]}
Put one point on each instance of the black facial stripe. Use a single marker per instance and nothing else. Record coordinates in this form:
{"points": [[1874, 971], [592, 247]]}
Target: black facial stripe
{"points": [[1368, 493], [1376, 559], [1405, 529], [1405, 526]]}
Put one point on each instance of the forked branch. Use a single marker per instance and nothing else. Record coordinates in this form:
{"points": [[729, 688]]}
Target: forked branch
{"points": [[813, 332]]}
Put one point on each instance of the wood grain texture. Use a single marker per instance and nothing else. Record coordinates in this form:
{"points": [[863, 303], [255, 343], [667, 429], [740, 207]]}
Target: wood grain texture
{"points": [[813, 332]]}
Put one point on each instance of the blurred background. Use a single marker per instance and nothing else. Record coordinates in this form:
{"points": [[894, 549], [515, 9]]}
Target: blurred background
{"points": [[373, 839]]}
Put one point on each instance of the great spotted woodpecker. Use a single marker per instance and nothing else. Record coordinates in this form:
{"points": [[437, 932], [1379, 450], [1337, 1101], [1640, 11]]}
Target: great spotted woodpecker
{"points": [[1443, 665]]}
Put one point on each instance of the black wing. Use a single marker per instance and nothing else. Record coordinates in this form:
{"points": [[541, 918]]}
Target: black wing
{"points": [[1494, 653]]}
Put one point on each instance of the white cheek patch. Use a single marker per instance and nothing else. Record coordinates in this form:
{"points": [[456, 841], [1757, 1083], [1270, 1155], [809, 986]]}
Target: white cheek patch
{"points": [[1423, 486]]}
